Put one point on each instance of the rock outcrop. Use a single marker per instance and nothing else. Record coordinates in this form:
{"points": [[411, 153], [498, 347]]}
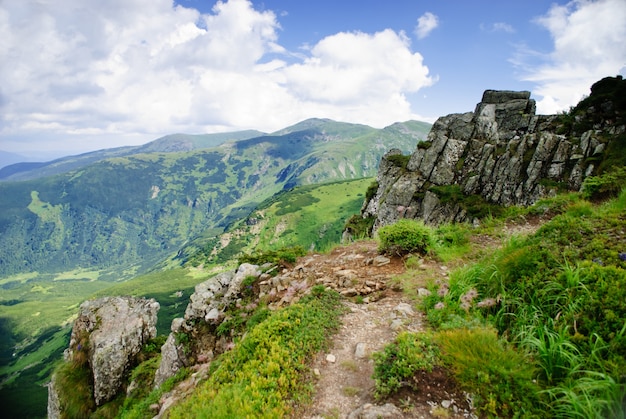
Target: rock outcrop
{"points": [[110, 331], [502, 153], [193, 338]]}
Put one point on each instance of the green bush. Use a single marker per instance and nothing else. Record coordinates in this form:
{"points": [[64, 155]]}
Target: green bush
{"points": [[280, 257], [607, 185], [360, 227], [401, 360], [399, 160], [404, 237]]}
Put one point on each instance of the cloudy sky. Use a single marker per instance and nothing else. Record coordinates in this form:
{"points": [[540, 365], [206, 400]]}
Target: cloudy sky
{"points": [[79, 75]]}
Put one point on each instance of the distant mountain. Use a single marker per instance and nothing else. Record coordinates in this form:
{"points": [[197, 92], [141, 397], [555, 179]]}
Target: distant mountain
{"points": [[168, 144], [120, 207], [7, 158]]}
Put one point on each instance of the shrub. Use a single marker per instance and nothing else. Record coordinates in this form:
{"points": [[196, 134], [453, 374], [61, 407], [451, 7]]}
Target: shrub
{"points": [[607, 185], [401, 359], [371, 191], [360, 227], [399, 160], [282, 256], [404, 237]]}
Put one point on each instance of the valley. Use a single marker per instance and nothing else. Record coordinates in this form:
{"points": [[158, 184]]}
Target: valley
{"points": [[520, 263], [138, 224]]}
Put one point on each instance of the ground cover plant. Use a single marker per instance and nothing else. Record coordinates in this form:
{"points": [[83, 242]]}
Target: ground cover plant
{"points": [[556, 298], [264, 372]]}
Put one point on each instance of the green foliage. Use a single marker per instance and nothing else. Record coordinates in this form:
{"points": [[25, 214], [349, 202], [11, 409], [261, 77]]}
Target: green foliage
{"points": [[451, 240], [401, 360], [281, 257], [607, 185], [399, 160], [371, 191], [74, 383], [360, 227], [264, 370], [139, 408], [424, 145], [405, 236], [499, 377], [558, 296], [475, 205]]}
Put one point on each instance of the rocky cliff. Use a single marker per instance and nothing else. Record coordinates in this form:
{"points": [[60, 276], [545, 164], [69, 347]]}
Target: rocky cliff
{"points": [[109, 332], [501, 154]]}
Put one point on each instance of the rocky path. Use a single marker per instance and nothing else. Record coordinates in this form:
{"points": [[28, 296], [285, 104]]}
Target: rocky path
{"points": [[344, 387]]}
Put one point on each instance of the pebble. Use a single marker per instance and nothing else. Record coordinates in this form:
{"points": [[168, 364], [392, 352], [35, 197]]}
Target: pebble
{"points": [[331, 358], [359, 352]]}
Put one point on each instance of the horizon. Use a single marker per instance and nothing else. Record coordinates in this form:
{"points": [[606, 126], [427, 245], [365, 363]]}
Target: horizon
{"points": [[85, 77]]}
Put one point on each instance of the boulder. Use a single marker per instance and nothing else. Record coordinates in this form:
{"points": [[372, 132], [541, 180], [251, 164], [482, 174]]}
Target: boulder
{"points": [[112, 330]]}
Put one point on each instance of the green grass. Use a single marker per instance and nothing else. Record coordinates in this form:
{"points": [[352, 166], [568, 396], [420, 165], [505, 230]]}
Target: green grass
{"points": [[499, 377], [264, 373], [401, 360], [557, 296]]}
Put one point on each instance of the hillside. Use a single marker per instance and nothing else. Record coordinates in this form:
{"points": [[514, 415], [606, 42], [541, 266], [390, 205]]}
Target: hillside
{"points": [[87, 230], [132, 211], [168, 144], [420, 334]]}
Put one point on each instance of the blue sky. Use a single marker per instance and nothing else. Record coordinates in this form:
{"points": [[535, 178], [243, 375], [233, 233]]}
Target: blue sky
{"points": [[80, 75]]}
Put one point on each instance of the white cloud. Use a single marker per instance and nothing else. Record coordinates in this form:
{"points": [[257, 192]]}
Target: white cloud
{"points": [[589, 44], [498, 27], [136, 69], [426, 24]]}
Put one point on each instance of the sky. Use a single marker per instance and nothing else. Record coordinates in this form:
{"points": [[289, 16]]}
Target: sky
{"points": [[81, 75]]}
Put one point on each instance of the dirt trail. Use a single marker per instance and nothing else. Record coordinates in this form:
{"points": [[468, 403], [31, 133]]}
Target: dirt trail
{"points": [[343, 374]]}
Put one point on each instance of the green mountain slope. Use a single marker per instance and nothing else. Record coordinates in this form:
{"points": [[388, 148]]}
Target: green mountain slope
{"points": [[36, 309], [134, 210], [311, 216], [168, 144]]}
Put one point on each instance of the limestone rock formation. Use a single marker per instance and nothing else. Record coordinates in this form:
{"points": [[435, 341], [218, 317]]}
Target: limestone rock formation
{"points": [[112, 331], [502, 153]]}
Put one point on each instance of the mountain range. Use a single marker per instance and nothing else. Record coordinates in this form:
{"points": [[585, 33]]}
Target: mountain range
{"points": [[132, 206]]}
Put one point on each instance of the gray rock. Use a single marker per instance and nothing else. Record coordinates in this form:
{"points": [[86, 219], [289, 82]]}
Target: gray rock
{"points": [[202, 316], [370, 411], [502, 151], [172, 360], [360, 350], [54, 405], [116, 329]]}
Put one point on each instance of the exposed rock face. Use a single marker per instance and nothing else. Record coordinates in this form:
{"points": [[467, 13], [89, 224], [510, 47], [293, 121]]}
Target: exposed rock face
{"points": [[114, 329], [501, 152], [54, 405], [192, 338]]}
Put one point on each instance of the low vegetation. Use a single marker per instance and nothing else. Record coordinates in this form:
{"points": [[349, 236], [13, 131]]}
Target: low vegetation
{"points": [[265, 372], [535, 329]]}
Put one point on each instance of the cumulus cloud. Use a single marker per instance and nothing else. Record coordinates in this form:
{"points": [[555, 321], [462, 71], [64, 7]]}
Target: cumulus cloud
{"points": [[83, 69], [588, 39], [426, 24]]}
